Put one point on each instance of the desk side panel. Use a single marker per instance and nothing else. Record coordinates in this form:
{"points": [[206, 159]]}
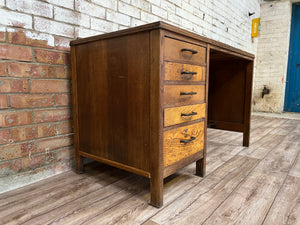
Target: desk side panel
{"points": [[113, 99]]}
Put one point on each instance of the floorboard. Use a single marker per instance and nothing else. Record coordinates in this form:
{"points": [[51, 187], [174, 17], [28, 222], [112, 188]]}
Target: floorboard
{"points": [[255, 185]]}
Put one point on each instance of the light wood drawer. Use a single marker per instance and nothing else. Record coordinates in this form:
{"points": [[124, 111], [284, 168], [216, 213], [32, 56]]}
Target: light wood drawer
{"points": [[183, 72], [183, 114], [183, 94], [175, 50], [182, 142]]}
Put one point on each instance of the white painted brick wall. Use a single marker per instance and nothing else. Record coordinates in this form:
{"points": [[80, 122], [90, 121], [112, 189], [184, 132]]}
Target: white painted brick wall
{"points": [[31, 7], [222, 20], [272, 56]]}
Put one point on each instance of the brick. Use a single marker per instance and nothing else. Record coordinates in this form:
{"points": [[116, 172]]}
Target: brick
{"points": [[102, 25], [30, 101], [2, 34], [52, 57], [63, 72], [147, 17], [159, 11], [65, 3], [65, 154], [4, 136], [3, 102], [142, 4], [63, 99], [50, 86], [69, 16], [15, 52], [51, 115], [3, 69], [10, 119], [5, 168], [107, 4], [54, 143], [31, 7], [18, 150], [90, 9], [53, 27], [28, 163], [135, 22], [13, 85], [10, 18], [32, 132], [29, 38], [62, 44], [118, 18], [30, 70], [65, 127], [129, 10], [82, 32]]}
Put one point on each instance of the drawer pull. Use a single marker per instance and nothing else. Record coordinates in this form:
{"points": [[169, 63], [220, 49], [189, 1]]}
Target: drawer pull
{"points": [[189, 114], [188, 93], [188, 72], [189, 50], [187, 141]]}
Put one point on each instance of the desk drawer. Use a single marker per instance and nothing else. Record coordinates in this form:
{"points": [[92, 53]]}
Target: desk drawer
{"points": [[182, 142], [183, 72], [183, 94], [175, 50], [177, 115]]}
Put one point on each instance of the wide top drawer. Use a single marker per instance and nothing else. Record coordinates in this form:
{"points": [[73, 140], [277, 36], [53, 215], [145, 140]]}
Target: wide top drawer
{"points": [[175, 50]]}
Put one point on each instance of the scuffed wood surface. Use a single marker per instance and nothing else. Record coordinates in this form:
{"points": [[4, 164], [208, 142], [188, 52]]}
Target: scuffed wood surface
{"points": [[173, 72], [174, 150], [255, 185], [174, 115], [173, 97]]}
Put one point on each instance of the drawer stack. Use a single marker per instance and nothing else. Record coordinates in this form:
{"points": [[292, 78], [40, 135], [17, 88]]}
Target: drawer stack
{"points": [[140, 101], [184, 105]]}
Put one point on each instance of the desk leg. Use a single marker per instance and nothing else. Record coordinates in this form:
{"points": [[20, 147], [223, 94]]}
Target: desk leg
{"points": [[156, 189], [246, 138], [201, 167], [79, 164]]}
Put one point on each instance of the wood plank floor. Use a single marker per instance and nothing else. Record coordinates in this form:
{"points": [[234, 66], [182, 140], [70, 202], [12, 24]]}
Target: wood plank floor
{"points": [[255, 185]]}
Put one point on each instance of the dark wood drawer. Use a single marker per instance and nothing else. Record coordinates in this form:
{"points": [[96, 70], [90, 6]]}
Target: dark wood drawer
{"points": [[177, 115], [175, 50], [183, 72], [183, 94], [182, 142]]}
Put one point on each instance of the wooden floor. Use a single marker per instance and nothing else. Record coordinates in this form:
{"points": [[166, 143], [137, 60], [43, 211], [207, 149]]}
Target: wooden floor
{"points": [[255, 185]]}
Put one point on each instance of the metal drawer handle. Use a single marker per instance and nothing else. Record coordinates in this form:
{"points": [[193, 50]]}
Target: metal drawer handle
{"points": [[187, 141], [189, 114], [189, 50], [188, 93], [188, 72]]}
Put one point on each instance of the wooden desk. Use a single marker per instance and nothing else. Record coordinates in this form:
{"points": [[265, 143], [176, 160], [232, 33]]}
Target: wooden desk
{"points": [[140, 99]]}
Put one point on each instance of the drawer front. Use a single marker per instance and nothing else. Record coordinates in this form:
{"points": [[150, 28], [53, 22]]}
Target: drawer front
{"points": [[183, 72], [183, 94], [177, 115], [175, 50], [182, 142]]}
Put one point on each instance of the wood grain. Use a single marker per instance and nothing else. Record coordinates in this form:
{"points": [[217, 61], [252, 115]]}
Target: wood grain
{"points": [[174, 150], [172, 72], [197, 205], [286, 207], [176, 95], [173, 52], [238, 189], [174, 115]]}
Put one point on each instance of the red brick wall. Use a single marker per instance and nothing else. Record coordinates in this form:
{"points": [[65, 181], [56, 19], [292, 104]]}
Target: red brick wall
{"points": [[35, 91], [35, 87]]}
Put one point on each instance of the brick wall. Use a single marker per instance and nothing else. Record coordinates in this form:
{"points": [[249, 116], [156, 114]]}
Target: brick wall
{"points": [[35, 120], [272, 56]]}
